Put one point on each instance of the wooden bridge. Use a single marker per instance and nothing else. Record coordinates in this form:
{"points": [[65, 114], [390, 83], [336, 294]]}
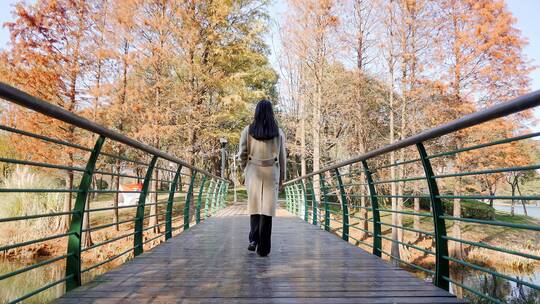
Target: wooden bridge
{"points": [[210, 263], [203, 254]]}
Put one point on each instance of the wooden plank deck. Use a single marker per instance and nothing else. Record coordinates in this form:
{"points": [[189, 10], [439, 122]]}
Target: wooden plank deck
{"points": [[210, 264]]}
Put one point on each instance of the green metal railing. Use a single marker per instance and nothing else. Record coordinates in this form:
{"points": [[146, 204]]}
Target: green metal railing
{"points": [[353, 200], [101, 230]]}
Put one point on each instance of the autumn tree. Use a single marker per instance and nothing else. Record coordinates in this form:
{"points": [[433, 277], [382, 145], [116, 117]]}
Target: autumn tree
{"points": [[122, 55], [360, 40], [48, 58], [390, 52], [311, 29], [292, 102], [480, 48], [222, 68]]}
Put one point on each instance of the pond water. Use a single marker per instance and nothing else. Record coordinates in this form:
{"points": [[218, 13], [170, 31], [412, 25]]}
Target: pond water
{"points": [[533, 211], [19, 285], [495, 287], [505, 290]]}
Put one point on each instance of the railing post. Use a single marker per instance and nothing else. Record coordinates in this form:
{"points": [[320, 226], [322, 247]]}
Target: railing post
{"points": [[314, 205], [304, 195], [219, 203], [292, 189], [293, 197], [377, 242], [298, 200], [287, 198], [199, 201], [325, 202], [170, 202], [215, 202], [215, 197], [224, 194], [344, 206], [73, 262], [189, 195], [441, 244], [208, 197], [290, 199], [139, 218]]}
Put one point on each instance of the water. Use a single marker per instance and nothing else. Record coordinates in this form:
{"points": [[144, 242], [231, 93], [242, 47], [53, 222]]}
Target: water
{"points": [[533, 211], [26, 282], [495, 287], [505, 290], [29, 281]]}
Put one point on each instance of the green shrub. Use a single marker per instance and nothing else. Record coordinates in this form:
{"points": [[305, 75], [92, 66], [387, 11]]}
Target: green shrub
{"points": [[102, 184], [425, 202], [471, 209]]}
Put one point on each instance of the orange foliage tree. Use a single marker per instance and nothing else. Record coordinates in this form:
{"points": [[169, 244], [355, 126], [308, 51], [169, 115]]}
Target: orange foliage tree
{"points": [[48, 59]]}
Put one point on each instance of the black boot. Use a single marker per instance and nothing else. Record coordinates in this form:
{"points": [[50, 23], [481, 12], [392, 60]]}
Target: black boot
{"points": [[252, 246], [265, 236], [254, 231]]}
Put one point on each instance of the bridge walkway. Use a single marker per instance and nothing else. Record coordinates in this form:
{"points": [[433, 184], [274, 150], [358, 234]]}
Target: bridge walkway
{"points": [[210, 264]]}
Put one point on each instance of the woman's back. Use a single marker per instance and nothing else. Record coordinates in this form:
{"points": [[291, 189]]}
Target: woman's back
{"points": [[263, 149], [262, 156]]}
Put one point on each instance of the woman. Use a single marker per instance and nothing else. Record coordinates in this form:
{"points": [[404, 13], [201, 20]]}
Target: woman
{"points": [[262, 156]]}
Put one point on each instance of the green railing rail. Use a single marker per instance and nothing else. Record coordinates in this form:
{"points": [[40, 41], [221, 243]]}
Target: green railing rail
{"points": [[355, 196], [100, 230]]}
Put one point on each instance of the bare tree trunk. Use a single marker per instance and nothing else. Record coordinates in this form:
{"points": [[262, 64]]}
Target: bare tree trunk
{"points": [[116, 217], [302, 113], [400, 208], [316, 127], [460, 278], [66, 220], [416, 201], [416, 224], [364, 212], [522, 201], [153, 220], [87, 236], [93, 195], [111, 181], [513, 203], [393, 191], [457, 250]]}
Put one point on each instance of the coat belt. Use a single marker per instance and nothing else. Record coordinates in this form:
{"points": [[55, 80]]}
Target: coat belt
{"points": [[263, 162]]}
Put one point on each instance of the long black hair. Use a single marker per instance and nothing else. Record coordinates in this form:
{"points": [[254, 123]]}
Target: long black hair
{"points": [[264, 124]]}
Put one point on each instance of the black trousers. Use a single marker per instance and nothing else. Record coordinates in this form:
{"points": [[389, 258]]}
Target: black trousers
{"points": [[261, 232]]}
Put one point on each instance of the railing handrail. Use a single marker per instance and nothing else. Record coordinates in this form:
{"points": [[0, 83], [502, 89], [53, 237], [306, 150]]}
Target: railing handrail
{"points": [[516, 105], [23, 99]]}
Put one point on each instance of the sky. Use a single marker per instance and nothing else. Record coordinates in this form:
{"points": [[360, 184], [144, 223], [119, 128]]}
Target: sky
{"points": [[6, 6], [526, 12]]}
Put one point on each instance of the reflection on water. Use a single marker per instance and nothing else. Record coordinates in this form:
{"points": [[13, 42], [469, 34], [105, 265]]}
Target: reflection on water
{"points": [[29, 281], [26, 282], [533, 211], [496, 287]]}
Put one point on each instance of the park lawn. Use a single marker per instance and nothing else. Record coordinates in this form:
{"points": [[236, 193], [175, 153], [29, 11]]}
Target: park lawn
{"points": [[521, 240], [241, 194]]}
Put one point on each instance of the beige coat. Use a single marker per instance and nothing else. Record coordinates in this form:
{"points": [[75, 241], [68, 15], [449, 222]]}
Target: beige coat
{"points": [[262, 182]]}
